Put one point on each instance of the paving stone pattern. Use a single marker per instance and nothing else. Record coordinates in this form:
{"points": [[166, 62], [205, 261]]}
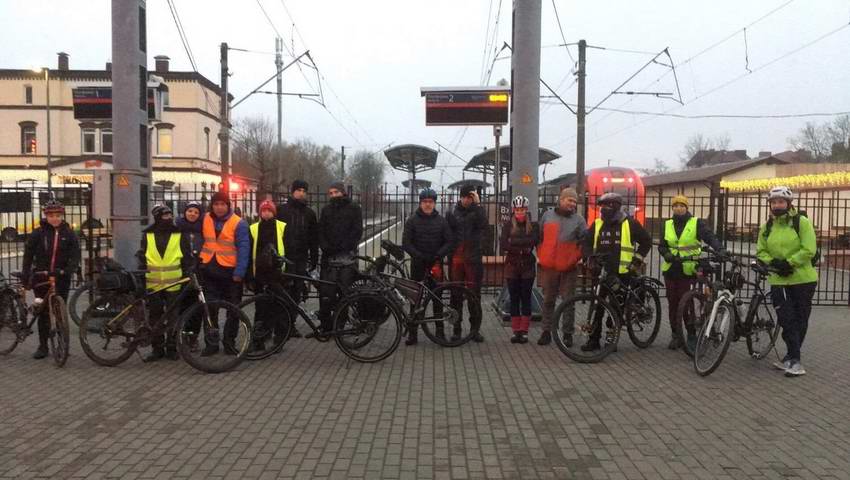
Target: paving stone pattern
{"points": [[491, 410]]}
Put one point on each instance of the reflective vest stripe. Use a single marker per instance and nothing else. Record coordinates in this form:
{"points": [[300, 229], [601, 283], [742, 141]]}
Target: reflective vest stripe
{"points": [[163, 269], [685, 245], [255, 232], [627, 248]]}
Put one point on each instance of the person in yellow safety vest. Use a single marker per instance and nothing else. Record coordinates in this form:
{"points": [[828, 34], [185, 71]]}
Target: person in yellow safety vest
{"points": [[268, 238], [225, 256], [683, 236], [624, 240], [165, 256]]}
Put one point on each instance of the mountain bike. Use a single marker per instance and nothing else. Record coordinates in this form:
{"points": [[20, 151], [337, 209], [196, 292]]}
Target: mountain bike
{"points": [[119, 322], [725, 323], [14, 328], [366, 325], [632, 301], [695, 305]]}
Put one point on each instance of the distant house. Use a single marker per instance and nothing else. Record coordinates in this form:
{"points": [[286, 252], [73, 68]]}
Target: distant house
{"points": [[704, 158]]}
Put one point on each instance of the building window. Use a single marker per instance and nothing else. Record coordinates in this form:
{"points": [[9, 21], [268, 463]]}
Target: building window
{"points": [[106, 141], [206, 143], [28, 94], [163, 141], [28, 138], [166, 102], [89, 140]]}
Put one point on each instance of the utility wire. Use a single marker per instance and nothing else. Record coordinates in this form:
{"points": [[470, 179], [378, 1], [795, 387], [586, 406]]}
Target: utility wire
{"points": [[561, 29]]}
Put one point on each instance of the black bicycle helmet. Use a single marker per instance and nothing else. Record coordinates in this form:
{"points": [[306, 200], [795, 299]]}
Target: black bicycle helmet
{"points": [[610, 198], [428, 193], [53, 206]]}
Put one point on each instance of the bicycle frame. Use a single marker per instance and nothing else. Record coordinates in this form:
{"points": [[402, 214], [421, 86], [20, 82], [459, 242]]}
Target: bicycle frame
{"points": [[193, 284]]}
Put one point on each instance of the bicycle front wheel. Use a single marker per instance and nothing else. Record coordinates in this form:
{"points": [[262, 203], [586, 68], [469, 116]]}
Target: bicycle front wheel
{"points": [[60, 337], [643, 316], [272, 324], [109, 329], [690, 315], [587, 329], [452, 316], [367, 327], [224, 349], [12, 316], [78, 301], [764, 328], [714, 338]]}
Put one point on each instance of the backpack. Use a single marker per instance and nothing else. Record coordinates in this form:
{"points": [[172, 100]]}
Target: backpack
{"points": [[795, 223]]}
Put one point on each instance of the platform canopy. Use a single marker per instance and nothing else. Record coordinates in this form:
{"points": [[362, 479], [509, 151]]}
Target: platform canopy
{"points": [[419, 183], [485, 161], [469, 181], [411, 158]]}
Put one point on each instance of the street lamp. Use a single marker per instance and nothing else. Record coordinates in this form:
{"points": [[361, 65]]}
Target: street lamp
{"points": [[49, 168]]}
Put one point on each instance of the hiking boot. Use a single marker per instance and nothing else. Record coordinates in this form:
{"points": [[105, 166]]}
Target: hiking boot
{"points": [[209, 350], [675, 343], [545, 338], [795, 370], [40, 353], [517, 338], [158, 353], [523, 337], [591, 346]]}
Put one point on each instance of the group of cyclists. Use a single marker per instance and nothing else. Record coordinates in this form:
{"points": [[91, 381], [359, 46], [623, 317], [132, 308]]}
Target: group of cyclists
{"points": [[227, 252]]}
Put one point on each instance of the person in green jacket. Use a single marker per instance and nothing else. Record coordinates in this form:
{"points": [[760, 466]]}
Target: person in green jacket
{"points": [[787, 243]]}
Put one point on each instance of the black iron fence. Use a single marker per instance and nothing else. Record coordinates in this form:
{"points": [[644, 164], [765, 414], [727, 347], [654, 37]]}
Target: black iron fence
{"points": [[735, 217]]}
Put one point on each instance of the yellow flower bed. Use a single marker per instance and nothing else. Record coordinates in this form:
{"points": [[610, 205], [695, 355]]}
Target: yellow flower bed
{"points": [[820, 180]]}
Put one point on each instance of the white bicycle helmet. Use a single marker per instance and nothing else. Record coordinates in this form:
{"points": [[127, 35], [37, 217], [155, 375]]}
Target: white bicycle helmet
{"points": [[520, 202], [782, 192]]}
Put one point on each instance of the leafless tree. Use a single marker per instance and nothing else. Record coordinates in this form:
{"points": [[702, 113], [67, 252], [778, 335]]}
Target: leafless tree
{"points": [[699, 142], [814, 138], [659, 168]]}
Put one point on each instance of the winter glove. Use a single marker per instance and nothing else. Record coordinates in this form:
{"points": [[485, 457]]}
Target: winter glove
{"points": [[635, 266], [669, 257], [782, 267]]}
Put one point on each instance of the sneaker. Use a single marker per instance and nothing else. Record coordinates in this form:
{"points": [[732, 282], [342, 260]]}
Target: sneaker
{"points": [[675, 343], [209, 350], [523, 337], [517, 338], [784, 365], [156, 354], [40, 353], [796, 370], [545, 338]]}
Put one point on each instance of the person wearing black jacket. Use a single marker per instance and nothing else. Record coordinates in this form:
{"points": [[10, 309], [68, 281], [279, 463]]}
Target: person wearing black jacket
{"points": [[427, 238], [302, 234], [162, 231], [51, 248], [606, 236], [340, 230], [683, 235], [468, 222]]}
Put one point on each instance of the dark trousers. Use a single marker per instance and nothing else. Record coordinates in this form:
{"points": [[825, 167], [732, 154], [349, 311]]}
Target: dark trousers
{"points": [[612, 298], [297, 289], [520, 294], [157, 304], [329, 295], [471, 274], [223, 288], [676, 288], [63, 285], [419, 273], [793, 304], [267, 318]]}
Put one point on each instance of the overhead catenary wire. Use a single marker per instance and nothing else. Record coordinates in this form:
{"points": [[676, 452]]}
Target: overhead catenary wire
{"points": [[184, 39], [561, 29]]}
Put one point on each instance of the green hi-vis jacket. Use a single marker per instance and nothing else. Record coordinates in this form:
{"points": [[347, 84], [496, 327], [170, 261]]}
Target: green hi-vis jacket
{"points": [[784, 244]]}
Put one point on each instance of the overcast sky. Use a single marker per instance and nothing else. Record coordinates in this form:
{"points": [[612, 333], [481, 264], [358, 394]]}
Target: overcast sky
{"points": [[375, 55]]}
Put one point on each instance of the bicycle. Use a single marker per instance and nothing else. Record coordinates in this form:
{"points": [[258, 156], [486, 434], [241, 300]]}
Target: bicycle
{"points": [[432, 304], [395, 263], [636, 304], [366, 326], [724, 323], [119, 323], [87, 289], [13, 314], [694, 306]]}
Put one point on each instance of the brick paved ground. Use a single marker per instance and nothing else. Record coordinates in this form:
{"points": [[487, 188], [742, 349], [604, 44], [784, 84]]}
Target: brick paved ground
{"points": [[491, 410]]}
